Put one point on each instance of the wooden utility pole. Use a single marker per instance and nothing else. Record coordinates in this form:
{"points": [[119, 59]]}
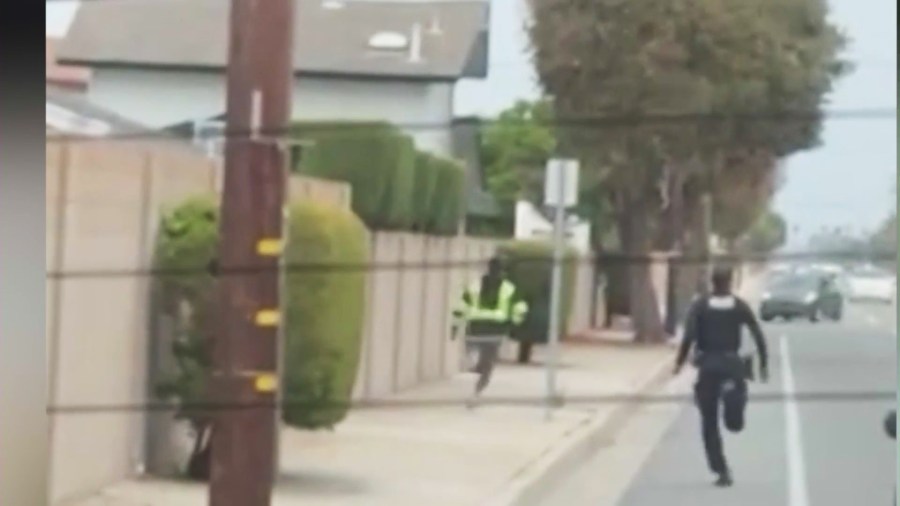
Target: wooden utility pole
{"points": [[245, 349]]}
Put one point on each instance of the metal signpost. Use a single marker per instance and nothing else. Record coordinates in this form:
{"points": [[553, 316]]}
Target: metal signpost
{"points": [[560, 192]]}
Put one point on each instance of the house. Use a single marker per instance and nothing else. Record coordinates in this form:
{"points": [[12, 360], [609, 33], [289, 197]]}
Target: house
{"points": [[163, 63], [63, 77], [533, 222]]}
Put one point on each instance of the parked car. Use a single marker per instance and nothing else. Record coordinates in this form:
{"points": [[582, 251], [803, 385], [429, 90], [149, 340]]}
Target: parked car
{"points": [[808, 295], [871, 284]]}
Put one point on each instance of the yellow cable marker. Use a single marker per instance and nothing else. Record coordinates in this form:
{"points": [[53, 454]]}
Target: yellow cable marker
{"points": [[268, 318], [269, 247], [266, 382]]}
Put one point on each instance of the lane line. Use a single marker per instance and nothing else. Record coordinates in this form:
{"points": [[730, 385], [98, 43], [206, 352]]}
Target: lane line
{"points": [[797, 491]]}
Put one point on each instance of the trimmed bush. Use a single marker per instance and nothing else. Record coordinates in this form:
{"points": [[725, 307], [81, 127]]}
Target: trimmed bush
{"points": [[449, 199], [376, 160], [531, 269], [325, 308], [425, 190], [325, 313], [186, 243], [313, 130]]}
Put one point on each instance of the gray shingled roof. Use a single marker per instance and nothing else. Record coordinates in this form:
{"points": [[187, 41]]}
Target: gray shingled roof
{"points": [[193, 34]]}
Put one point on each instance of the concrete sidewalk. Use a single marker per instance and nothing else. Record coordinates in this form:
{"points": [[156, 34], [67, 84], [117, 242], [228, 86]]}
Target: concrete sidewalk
{"points": [[427, 448]]}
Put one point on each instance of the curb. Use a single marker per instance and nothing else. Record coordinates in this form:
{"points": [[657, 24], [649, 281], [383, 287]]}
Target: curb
{"points": [[531, 483]]}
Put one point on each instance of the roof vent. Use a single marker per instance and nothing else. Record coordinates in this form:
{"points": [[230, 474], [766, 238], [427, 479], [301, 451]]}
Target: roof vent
{"points": [[434, 26], [415, 46], [389, 41]]}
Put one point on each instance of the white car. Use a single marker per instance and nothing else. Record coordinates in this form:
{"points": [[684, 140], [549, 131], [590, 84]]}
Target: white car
{"points": [[872, 284]]}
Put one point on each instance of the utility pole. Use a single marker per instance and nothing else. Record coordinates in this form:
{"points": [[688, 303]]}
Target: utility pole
{"points": [[245, 349]]}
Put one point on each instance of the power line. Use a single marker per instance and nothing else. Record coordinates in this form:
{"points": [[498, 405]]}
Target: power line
{"points": [[813, 396], [608, 259], [570, 122]]}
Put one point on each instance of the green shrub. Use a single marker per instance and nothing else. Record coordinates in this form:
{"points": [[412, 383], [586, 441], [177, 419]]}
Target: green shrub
{"points": [[313, 130], [324, 308], [425, 190], [375, 159], [449, 199], [324, 323], [399, 154], [186, 243], [530, 265]]}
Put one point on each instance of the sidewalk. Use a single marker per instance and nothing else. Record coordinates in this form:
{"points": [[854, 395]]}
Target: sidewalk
{"points": [[439, 453]]}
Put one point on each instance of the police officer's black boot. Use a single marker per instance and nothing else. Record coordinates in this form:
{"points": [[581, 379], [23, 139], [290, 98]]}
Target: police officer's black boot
{"points": [[724, 479]]}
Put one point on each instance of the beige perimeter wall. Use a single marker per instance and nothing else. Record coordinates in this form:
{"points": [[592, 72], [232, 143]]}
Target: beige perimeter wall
{"points": [[104, 200], [106, 346]]}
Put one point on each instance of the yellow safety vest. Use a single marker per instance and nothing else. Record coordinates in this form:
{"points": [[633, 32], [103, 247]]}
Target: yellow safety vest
{"points": [[507, 310]]}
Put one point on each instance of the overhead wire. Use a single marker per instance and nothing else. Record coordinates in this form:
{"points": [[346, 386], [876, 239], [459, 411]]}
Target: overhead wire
{"points": [[584, 122]]}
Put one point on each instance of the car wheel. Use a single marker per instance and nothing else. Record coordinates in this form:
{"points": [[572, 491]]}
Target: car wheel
{"points": [[767, 317], [814, 314]]}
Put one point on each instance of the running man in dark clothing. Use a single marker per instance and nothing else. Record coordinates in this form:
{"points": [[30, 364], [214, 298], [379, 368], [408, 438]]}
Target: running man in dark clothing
{"points": [[490, 308], [713, 329]]}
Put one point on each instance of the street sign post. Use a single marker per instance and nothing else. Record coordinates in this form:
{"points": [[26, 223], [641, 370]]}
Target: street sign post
{"points": [[560, 192]]}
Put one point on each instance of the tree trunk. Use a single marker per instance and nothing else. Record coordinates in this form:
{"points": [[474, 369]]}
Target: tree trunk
{"points": [[688, 270], [645, 314], [675, 238]]}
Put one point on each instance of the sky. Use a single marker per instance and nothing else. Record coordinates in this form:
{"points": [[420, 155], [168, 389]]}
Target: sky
{"points": [[848, 182]]}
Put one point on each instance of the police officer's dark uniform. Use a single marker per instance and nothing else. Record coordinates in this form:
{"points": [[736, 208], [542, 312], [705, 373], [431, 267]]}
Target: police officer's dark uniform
{"points": [[713, 328], [890, 426]]}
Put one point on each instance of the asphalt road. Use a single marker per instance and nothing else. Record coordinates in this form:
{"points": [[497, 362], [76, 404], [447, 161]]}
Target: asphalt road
{"points": [[831, 452]]}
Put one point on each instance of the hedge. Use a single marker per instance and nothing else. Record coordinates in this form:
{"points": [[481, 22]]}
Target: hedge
{"points": [[324, 310], [425, 191], [325, 314], [186, 243], [530, 267], [449, 201], [394, 186], [376, 160]]}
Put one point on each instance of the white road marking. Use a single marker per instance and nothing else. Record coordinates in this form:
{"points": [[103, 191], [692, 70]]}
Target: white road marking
{"points": [[797, 492]]}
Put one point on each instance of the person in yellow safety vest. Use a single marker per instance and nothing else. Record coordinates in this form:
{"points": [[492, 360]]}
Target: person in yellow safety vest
{"points": [[489, 310]]}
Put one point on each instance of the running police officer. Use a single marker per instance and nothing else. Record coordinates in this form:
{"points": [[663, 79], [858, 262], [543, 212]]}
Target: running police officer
{"points": [[490, 308], [713, 328]]}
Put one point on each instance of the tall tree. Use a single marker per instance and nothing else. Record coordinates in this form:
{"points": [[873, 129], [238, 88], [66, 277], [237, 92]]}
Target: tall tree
{"points": [[515, 148], [883, 243], [742, 194], [644, 61], [767, 233]]}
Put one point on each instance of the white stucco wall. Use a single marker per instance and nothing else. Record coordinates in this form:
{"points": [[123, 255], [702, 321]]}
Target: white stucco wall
{"points": [[159, 99]]}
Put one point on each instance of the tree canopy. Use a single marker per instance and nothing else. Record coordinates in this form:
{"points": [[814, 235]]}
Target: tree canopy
{"points": [[700, 90], [514, 149], [767, 233]]}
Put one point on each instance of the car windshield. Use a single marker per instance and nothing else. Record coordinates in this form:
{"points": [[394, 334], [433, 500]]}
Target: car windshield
{"points": [[794, 283]]}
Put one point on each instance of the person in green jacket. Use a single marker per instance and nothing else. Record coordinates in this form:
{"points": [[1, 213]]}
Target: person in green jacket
{"points": [[489, 309]]}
